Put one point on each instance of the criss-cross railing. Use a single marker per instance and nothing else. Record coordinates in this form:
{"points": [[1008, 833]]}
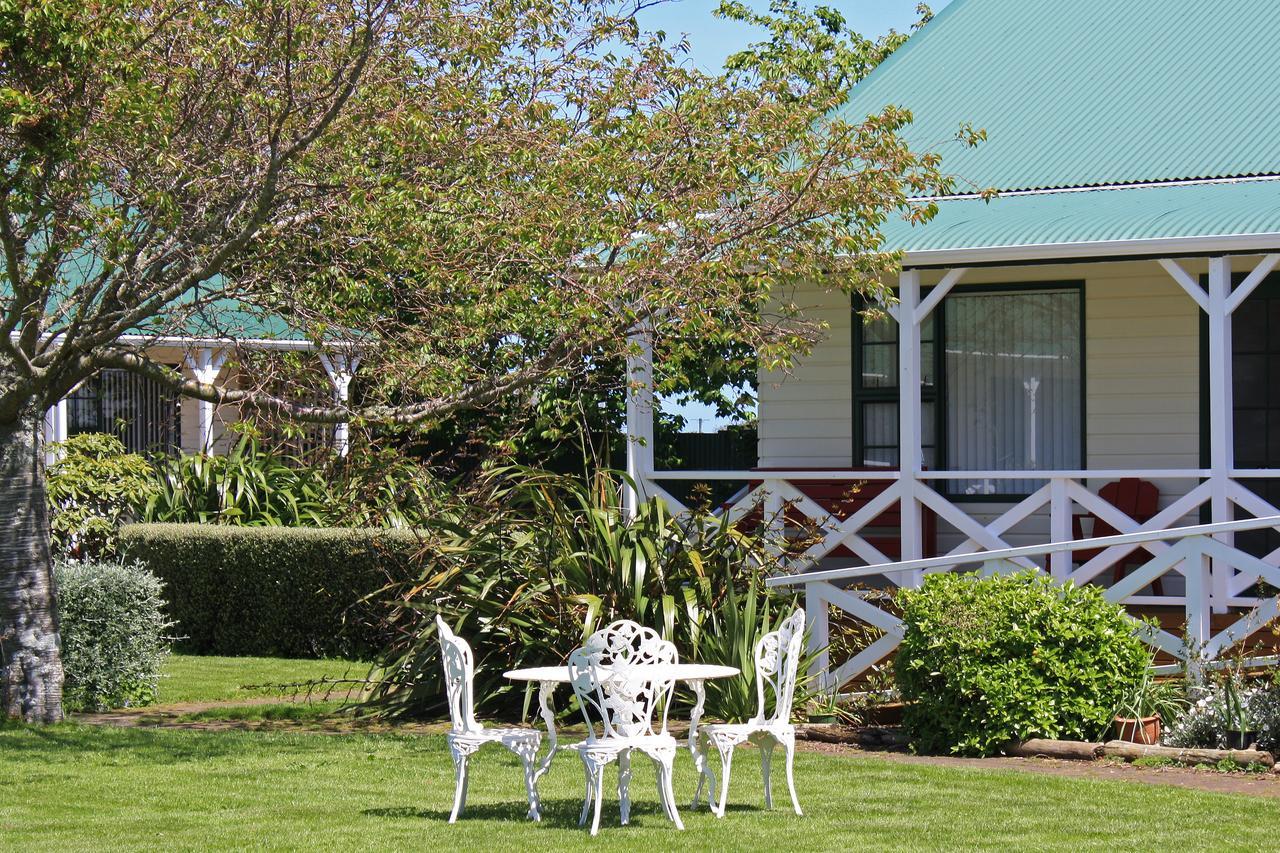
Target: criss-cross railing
{"points": [[1193, 552]]}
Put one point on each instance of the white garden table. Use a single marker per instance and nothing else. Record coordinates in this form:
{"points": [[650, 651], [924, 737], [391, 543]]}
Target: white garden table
{"points": [[693, 674]]}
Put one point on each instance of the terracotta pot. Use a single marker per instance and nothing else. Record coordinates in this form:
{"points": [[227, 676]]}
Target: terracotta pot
{"points": [[1241, 740], [1145, 731]]}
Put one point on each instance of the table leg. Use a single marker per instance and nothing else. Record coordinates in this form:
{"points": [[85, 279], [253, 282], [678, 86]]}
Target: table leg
{"points": [[546, 689], [695, 746]]}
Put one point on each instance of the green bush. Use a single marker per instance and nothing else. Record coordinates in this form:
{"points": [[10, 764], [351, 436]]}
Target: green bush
{"points": [[530, 564], [253, 486], [274, 591], [989, 661], [114, 633], [94, 485]]}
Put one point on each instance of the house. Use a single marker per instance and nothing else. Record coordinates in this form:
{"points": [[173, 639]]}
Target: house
{"points": [[1113, 315], [150, 417]]}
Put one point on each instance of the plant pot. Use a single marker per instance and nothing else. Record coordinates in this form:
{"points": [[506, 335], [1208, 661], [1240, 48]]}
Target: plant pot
{"points": [[1241, 740], [822, 719], [1145, 731]]}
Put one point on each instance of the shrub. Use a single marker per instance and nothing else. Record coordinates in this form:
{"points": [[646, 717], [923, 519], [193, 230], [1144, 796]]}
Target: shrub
{"points": [[1204, 724], [94, 485], [988, 661], [252, 486], [114, 633], [288, 592], [533, 562]]}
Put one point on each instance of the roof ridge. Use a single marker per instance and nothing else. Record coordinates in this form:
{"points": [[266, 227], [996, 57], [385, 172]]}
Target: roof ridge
{"points": [[1132, 185]]}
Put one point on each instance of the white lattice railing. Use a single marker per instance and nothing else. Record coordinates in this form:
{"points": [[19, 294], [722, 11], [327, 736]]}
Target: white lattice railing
{"points": [[1063, 496], [1194, 552]]}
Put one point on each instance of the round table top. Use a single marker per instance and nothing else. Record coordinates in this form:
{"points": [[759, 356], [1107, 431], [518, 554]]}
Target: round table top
{"points": [[677, 672]]}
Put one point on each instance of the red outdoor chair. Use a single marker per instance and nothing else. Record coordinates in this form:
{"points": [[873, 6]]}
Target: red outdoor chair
{"points": [[1137, 499]]}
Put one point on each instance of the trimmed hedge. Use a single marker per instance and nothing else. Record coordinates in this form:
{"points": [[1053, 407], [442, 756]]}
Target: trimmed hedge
{"points": [[274, 591]]}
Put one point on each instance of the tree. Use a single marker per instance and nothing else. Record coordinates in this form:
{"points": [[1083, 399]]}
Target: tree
{"points": [[475, 194]]}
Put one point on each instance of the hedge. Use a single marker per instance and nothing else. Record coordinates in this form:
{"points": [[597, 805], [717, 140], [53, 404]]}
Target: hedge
{"points": [[273, 591]]}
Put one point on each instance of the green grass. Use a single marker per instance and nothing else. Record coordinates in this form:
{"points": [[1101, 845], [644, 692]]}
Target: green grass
{"points": [[79, 788], [193, 678]]}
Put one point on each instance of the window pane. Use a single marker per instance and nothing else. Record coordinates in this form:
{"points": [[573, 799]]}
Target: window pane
{"points": [[881, 331], [880, 435], [879, 366], [1013, 374]]}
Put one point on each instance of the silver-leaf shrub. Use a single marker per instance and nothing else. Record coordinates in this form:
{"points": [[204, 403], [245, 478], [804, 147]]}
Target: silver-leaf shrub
{"points": [[114, 633]]}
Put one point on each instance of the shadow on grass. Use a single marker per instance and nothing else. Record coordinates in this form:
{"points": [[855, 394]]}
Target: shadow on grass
{"points": [[559, 813]]}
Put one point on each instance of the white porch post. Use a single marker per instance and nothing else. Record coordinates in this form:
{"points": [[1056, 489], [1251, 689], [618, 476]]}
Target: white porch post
{"points": [[640, 413], [341, 370], [909, 434], [205, 367], [55, 428], [1221, 427], [1059, 527]]}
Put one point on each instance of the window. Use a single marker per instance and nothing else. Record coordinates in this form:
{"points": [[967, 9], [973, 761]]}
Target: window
{"points": [[1002, 387], [143, 413]]}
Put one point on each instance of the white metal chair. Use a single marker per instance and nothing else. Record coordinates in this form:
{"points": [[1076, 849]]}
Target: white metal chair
{"points": [[624, 694], [777, 656], [467, 735]]}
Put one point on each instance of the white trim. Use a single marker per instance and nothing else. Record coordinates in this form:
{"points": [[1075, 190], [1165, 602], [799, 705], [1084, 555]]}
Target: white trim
{"points": [[1251, 282], [910, 463], [939, 292], [640, 413], [951, 560], [1262, 243], [1186, 281]]}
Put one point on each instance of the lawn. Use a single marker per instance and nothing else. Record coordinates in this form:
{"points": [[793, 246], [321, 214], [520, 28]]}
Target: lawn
{"points": [[80, 788], [76, 787]]}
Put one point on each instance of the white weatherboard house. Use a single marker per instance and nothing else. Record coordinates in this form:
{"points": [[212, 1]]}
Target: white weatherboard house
{"points": [[1111, 318], [149, 417]]}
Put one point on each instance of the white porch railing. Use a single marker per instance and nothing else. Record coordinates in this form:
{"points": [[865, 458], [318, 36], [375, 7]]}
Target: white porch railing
{"points": [[1190, 551], [1063, 496]]}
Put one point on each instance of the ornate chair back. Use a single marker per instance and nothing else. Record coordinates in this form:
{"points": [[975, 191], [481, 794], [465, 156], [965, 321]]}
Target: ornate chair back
{"points": [[620, 692], [777, 660], [459, 671]]}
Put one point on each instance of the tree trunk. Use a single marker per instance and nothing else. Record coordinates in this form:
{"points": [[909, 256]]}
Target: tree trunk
{"points": [[30, 651]]}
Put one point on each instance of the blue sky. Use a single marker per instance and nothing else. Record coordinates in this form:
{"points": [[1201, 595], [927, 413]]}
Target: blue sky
{"points": [[712, 39]]}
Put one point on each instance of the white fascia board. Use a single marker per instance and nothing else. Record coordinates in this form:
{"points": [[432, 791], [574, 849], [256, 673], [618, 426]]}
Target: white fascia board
{"points": [[183, 342], [1149, 247]]}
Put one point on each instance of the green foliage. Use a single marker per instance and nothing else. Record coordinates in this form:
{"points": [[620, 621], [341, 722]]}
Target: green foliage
{"points": [[988, 661], [114, 634], [533, 562], [1229, 703], [247, 486], [252, 486], [94, 485], [273, 591], [814, 49], [1149, 697]]}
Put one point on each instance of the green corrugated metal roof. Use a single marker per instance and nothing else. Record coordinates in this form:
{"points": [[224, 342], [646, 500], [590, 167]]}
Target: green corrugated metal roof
{"points": [[1089, 92], [1228, 210]]}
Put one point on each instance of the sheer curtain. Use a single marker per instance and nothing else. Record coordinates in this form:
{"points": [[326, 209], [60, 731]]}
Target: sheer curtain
{"points": [[1013, 385]]}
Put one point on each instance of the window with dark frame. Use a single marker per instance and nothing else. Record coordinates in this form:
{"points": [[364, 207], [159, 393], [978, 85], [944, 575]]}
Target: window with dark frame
{"points": [[1002, 386], [144, 414]]}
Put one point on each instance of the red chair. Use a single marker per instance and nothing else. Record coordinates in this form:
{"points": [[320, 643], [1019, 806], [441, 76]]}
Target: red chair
{"points": [[1138, 499]]}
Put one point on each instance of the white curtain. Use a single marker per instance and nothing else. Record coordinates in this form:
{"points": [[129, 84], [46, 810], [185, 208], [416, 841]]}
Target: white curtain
{"points": [[1013, 385]]}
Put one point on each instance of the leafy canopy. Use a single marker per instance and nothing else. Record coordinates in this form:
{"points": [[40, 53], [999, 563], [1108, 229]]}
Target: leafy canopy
{"points": [[480, 196]]}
